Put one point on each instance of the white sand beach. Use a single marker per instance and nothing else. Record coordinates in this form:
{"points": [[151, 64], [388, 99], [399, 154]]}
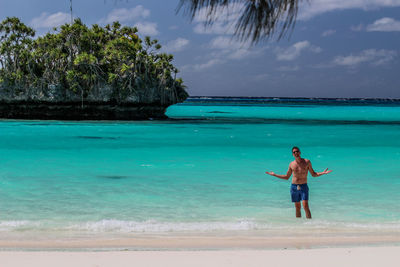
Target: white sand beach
{"points": [[259, 240], [322, 257], [219, 251]]}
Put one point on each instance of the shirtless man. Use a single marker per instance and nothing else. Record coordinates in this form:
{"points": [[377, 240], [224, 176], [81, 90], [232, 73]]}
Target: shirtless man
{"points": [[299, 189]]}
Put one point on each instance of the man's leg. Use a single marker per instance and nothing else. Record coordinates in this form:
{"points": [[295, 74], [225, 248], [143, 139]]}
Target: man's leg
{"points": [[298, 209], [306, 209]]}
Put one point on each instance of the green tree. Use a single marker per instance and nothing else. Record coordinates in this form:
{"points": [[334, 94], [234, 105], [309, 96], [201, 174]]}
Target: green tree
{"points": [[15, 48], [81, 63]]}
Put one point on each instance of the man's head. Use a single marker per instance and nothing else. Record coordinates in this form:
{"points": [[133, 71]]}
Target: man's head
{"points": [[296, 152]]}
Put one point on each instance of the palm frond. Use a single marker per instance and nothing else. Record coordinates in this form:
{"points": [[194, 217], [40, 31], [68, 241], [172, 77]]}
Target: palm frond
{"points": [[258, 19]]}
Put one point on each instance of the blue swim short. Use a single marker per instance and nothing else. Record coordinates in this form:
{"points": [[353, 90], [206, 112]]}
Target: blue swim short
{"points": [[299, 194]]}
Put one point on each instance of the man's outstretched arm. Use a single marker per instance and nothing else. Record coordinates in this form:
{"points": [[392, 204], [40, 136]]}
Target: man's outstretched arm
{"points": [[285, 177], [316, 174]]}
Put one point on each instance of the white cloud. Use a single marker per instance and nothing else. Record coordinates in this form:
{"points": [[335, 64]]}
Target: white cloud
{"points": [[176, 45], [208, 64], [225, 49], [223, 23], [222, 42], [228, 48], [309, 9], [231, 12], [288, 68], [126, 14], [295, 51], [384, 25], [216, 28], [133, 15], [147, 28], [328, 33], [241, 54], [46, 20], [372, 56]]}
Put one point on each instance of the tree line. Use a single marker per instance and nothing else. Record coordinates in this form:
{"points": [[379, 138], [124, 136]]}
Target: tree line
{"points": [[80, 63]]}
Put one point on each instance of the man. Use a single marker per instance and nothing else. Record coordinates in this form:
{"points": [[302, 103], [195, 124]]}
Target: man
{"points": [[299, 189]]}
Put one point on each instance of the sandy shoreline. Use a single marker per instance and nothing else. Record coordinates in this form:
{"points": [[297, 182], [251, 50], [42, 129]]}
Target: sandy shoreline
{"points": [[319, 250], [363, 256], [201, 242]]}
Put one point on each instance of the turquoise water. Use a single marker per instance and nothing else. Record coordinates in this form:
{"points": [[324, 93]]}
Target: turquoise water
{"points": [[202, 171]]}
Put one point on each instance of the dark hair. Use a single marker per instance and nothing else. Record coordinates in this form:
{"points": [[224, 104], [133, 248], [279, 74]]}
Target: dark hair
{"points": [[295, 147]]}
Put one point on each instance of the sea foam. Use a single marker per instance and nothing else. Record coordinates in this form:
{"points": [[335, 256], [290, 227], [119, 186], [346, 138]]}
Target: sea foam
{"points": [[153, 226]]}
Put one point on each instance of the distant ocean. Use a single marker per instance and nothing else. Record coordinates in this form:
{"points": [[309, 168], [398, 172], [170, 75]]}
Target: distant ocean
{"points": [[203, 170]]}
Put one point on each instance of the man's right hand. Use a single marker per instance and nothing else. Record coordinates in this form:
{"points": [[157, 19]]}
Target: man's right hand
{"points": [[270, 173], [326, 171]]}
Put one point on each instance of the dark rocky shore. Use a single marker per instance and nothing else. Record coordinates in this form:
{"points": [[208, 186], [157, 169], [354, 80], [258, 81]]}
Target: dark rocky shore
{"points": [[47, 110]]}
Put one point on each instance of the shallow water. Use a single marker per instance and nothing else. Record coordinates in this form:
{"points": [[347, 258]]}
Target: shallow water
{"points": [[203, 170]]}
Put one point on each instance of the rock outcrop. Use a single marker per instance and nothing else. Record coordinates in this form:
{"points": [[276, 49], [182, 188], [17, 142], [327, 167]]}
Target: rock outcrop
{"points": [[39, 110]]}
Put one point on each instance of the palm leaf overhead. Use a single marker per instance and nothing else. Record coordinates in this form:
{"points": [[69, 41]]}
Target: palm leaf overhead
{"points": [[257, 19]]}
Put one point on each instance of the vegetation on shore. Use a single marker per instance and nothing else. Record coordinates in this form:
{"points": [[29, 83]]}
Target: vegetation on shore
{"points": [[78, 63]]}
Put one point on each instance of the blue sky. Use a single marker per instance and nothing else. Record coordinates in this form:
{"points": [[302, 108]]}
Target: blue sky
{"points": [[339, 48]]}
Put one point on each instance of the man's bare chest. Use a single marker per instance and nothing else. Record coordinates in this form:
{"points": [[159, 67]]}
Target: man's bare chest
{"points": [[299, 167]]}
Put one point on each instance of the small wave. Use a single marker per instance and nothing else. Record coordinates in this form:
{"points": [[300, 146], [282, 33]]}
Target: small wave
{"points": [[153, 226], [17, 225], [354, 225]]}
